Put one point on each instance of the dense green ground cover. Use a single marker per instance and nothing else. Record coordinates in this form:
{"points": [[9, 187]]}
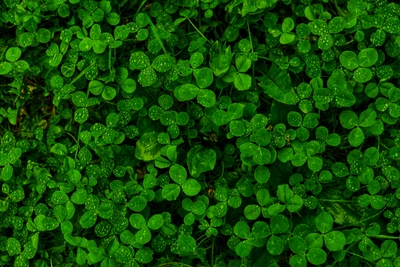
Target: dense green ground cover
{"points": [[199, 133]]}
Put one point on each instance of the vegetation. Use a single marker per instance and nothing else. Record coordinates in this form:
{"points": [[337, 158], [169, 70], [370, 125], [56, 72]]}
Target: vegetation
{"points": [[218, 133]]}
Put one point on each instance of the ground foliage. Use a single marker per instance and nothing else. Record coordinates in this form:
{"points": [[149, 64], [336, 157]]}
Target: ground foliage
{"points": [[199, 133]]}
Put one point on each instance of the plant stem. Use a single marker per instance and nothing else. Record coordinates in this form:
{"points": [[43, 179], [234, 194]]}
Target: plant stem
{"points": [[174, 264], [386, 237], [153, 28], [194, 26], [212, 253], [140, 7], [336, 200], [82, 73], [354, 254]]}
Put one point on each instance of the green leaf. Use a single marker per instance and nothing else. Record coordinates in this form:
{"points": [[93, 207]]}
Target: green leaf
{"points": [[187, 243], [147, 147], [294, 203], [7, 172], [388, 248], [121, 32], [295, 119], [324, 222], [96, 87], [147, 77], [298, 261], [243, 63], [178, 173], [171, 192], [279, 224], [13, 246], [220, 117], [5, 67], [81, 115], [13, 54], [243, 249], [204, 77], [88, 219], [287, 25], [235, 110], [113, 18], [349, 60], [325, 42], [96, 254], [206, 98], [275, 245], [367, 118], [196, 59], [298, 245], [262, 174], [287, 38], [362, 75], [162, 63], [59, 149], [220, 59], [43, 35], [137, 221], [186, 92], [129, 85], [335, 240], [137, 203], [337, 82], [356, 137], [144, 255], [315, 163], [242, 81], [252, 212], [277, 84], [12, 116], [200, 159], [316, 256], [367, 57], [138, 61], [237, 128], [191, 187], [348, 119], [109, 93], [155, 222]]}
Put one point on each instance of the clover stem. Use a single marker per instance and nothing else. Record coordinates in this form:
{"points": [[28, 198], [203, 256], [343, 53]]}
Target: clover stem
{"points": [[220, 92], [77, 142], [248, 29], [153, 28], [174, 263], [354, 254], [140, 7], [223, 169], [73, 137], [202, 241], [264, 58], [379, 142], [82, 73], [336, 200], [339, 10], [109, 59], [212, 252], [194, 26], [132, 4], [386, 237], [200, 237], [251, 45]]}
